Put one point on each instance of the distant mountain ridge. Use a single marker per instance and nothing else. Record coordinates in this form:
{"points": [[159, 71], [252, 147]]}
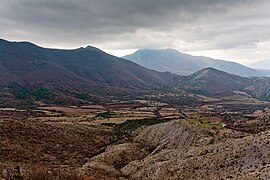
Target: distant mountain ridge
{"points": [[184, 64], [263, 64]]}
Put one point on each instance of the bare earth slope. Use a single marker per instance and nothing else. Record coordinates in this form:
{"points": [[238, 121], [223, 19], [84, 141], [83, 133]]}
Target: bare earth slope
{"points": [[177, 150]]}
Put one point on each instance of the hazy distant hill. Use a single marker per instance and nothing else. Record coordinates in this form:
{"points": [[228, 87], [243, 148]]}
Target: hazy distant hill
{"points": [[211, 81], [214, 82], [263, 64], [184, 64]]}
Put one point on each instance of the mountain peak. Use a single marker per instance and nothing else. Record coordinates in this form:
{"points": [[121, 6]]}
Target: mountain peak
{"points": [[184, 64], [90, 48], [211, 70]]}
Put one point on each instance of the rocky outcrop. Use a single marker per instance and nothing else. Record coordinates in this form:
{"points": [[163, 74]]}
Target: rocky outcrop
{"points": [[245, 158], [171, 135], [177, 150], [115, 157]]}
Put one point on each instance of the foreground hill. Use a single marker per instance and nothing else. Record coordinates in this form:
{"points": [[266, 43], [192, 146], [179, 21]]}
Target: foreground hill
{"points": [[26, 67], [184, 64], [181, 151]]}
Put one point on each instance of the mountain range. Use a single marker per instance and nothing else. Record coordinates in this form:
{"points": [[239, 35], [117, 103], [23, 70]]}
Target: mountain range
{"points": [[74, 72], [184, 64], [28, 71]]}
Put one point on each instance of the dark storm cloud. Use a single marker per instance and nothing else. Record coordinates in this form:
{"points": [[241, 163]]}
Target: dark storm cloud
{"points": [[122, 24]]}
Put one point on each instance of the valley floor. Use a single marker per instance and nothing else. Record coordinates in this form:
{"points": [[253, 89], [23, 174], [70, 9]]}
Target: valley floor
{"points": [[139, 139]]}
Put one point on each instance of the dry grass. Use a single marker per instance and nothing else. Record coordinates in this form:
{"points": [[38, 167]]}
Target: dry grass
{"points": [[93, 107], [5, 171], [46, 174], [56, 143], [70, 111], [165, 112], [11, 172]]}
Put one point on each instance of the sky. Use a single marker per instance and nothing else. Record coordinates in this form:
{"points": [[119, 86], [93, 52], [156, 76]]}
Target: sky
{"points": [[235, 30]]}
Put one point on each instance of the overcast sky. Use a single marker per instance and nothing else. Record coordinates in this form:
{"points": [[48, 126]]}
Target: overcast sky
{"points": [[236, 30]]}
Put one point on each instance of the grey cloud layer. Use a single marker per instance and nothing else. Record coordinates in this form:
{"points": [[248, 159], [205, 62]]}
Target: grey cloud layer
{"points": [[121, 24]]}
